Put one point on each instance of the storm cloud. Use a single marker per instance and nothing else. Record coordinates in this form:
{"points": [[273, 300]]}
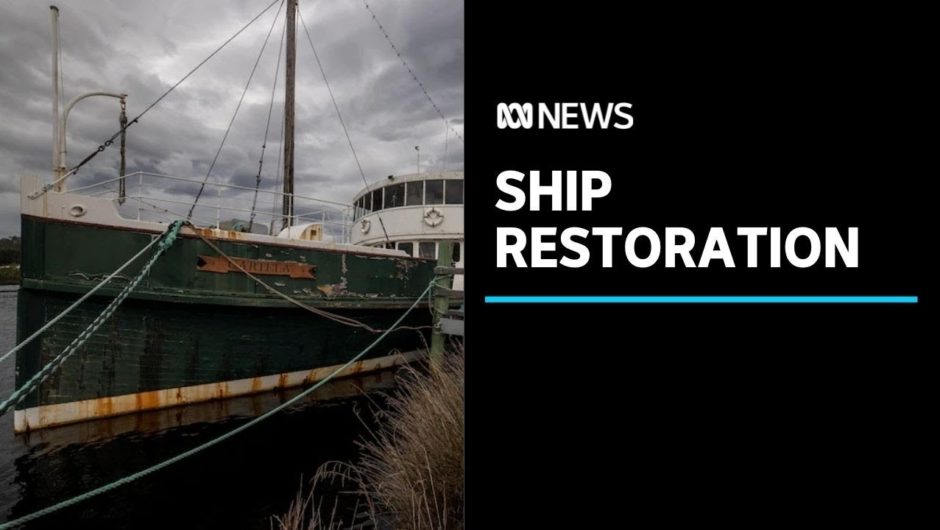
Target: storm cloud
{"points": [[143, 48]]}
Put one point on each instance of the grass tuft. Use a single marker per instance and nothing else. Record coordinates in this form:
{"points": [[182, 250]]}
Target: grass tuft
{"points": [[410, 472]]}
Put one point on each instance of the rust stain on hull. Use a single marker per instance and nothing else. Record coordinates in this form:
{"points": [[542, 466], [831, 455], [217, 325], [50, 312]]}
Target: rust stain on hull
{"points": [[95, 430], [65, 413]]}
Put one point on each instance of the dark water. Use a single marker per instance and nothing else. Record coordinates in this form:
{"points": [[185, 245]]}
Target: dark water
{"points": [[237, 484]]}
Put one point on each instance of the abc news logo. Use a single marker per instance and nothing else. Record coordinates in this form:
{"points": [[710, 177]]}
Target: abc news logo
{"points": [[563, 116]]}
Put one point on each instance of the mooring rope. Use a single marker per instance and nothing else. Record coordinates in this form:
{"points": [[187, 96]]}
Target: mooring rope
{"points": [[347, 321], [215, 441], [78, 302], [165, 241]]}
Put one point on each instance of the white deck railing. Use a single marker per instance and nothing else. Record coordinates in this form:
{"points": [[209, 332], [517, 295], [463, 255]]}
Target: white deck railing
{"points": [[147, 198]]}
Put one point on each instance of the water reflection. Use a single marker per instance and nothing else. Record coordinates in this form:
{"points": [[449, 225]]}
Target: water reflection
{"points": [[236, 484]]}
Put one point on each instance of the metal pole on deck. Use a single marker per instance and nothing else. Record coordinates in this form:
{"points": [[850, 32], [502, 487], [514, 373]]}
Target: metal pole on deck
{"points": [[140, 191], [445, 260], [60, 118], [55, 91]]}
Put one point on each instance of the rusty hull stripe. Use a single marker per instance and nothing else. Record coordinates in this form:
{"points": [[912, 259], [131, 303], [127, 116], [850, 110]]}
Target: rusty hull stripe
{"points": [[64, 413]]}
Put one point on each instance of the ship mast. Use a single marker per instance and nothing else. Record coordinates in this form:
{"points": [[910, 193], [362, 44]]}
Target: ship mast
{"points": [[289, 69]]}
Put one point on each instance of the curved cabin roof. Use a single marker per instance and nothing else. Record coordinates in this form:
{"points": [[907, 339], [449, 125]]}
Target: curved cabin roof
{"points": [[410, 191], [305, 231], [398, 179]]}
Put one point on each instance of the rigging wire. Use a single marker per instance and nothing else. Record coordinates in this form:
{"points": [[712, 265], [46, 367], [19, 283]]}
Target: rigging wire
{"points": [[267, 127], [339, 319], [339, 115], [107, 143], [410, 71], [231, 122], [122, 184], [444, 159]]}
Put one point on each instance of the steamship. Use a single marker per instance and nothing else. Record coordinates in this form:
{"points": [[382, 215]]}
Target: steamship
{"points": [[197, 328]]}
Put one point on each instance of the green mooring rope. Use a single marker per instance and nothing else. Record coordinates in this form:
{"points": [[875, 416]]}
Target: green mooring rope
{"points": [[198, 449], [78, 302], [165, 241]]}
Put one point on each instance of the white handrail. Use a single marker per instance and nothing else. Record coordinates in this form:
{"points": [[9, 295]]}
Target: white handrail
{"points": [[244, 188], [95, 185], [236, 209], [317, 214], [141, 174]]}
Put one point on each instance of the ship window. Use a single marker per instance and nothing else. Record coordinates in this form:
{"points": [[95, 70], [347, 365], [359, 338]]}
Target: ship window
{"points": [[395, 196], [366, 203], [358, 213], [457, 246], [434, 192], [377, 200], [427, 249], [407, 247], [414, 193], [454, 192]]}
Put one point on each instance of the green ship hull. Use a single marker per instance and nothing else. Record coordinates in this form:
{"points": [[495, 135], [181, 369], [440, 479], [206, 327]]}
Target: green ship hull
{"points": [[192, 330]]}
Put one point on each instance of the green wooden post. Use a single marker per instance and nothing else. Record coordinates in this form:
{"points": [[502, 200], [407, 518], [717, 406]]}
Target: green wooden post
{"points": [[445, 260]]}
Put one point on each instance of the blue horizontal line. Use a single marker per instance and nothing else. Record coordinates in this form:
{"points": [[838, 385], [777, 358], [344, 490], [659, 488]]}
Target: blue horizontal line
{"points": [[734, 299]]}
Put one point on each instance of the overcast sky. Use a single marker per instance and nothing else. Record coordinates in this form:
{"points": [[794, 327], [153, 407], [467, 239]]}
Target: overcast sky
{"points": [[142, 48]]}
